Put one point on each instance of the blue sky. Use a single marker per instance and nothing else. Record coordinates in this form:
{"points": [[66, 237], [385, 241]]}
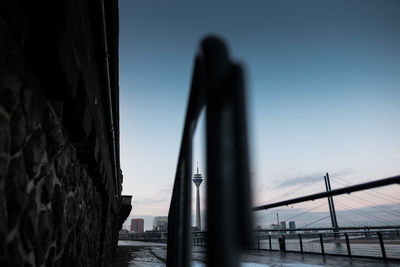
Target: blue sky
{"points": [[323, 82]]}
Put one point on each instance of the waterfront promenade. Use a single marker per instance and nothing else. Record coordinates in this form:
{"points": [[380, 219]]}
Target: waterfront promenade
{"points": [[359, 247], [137, 253]]}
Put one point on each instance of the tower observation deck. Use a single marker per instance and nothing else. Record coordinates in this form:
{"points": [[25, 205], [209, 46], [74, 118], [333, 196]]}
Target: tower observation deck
{"points": [[197, 180]]}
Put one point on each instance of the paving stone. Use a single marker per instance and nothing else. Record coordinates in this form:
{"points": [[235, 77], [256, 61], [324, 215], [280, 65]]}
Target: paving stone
{"points": [[33, 102], [3, 226], [52, 127], [34, 151], [48, 187], [11, 69], [18, 130], [45, 231], [5, 145], [29, 224], [15, 191], [14, 255]]}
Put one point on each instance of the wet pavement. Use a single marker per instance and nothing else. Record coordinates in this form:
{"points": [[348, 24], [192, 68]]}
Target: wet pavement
{"points": [[137, 253]]}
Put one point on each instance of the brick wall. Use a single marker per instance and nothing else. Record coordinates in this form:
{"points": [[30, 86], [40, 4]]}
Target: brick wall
{"points": [[59, 197]]}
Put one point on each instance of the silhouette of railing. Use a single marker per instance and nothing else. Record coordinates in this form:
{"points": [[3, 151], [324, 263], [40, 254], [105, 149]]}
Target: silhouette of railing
{"points": [[218, 87]]}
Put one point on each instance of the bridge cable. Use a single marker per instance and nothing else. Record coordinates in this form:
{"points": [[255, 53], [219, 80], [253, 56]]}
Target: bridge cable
{"points": [[314, 222], [301, 213], [376, 206], [382, 209], [365, 214], [373, 217], [290, 192], [387, 197], [351, 221]]}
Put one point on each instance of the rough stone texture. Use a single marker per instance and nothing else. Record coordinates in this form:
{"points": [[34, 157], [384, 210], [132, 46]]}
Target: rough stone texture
{"points": [[60, 201]]}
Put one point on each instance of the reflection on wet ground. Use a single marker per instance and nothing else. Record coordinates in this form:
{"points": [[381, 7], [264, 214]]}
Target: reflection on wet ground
{"points": [[136, 253]]}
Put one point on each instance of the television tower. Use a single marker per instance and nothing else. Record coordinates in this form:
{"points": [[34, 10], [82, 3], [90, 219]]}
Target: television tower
{"points": [[197, 179]]}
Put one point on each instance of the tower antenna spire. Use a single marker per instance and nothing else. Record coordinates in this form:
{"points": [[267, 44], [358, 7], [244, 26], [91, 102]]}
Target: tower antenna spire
{"points": [[197, 179]]}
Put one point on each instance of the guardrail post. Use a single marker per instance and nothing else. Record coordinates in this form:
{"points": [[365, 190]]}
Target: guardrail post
{"points": [[348, 245], [321, 240], [382, 245], [282, 243], [227, 157], [301, 243], [270, 243]]}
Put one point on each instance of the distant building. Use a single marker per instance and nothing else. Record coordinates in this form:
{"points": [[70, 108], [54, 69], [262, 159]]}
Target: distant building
{"points": [[160, 223], [273, 226], [292, 225], [283, 227], [137, 225]]}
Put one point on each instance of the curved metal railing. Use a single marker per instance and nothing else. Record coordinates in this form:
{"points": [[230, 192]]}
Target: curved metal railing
{"points": [[218, 87]]}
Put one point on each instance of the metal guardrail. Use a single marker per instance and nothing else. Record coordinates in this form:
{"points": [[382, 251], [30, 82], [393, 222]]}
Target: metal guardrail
{"points": [[218, 87], [383, 244], [370, 244]]}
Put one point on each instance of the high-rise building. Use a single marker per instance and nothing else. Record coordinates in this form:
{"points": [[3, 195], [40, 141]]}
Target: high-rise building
{"points": [[160, 223], [282, 227], [137, 225], [292, 225], [197, 180]]}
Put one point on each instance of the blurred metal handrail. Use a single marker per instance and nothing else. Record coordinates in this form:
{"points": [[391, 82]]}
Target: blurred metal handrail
{"points": [[217, 86]]}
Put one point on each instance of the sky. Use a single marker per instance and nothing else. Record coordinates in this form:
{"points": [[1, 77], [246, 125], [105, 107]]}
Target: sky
{"points": [[322, 81]]}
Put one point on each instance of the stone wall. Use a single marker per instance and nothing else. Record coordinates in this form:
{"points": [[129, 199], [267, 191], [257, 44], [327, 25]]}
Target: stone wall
{"points": [[59, 195]]}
